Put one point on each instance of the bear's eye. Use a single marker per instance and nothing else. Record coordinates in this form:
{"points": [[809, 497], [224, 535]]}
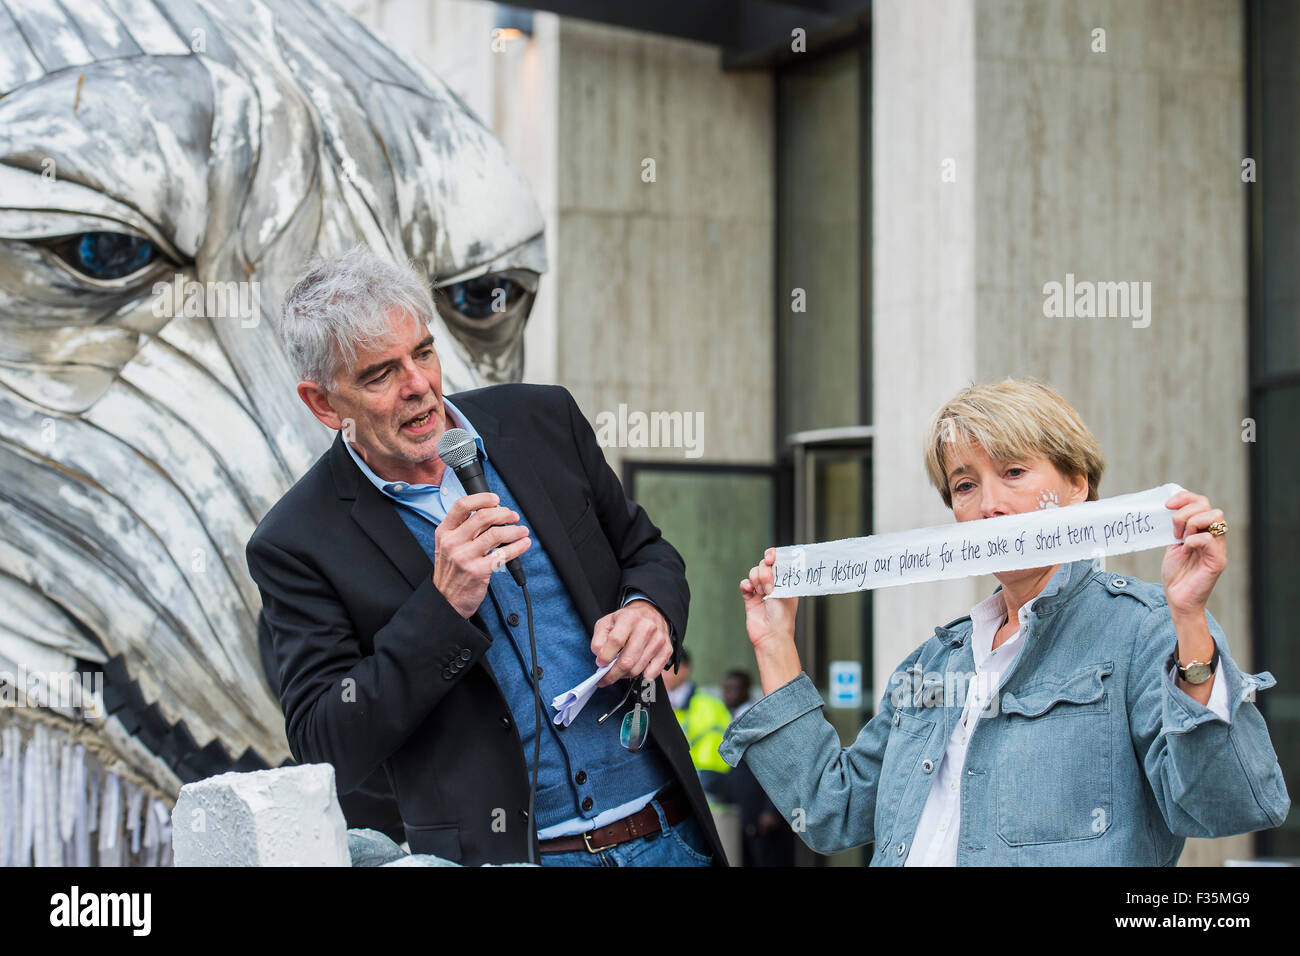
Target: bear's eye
{"points": [[105, 255], [479, 298]]}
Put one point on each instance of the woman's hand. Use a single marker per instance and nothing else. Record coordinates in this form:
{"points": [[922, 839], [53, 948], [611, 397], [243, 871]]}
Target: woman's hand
{"points": [[1191, 567], [772, 620], [770, 625]]}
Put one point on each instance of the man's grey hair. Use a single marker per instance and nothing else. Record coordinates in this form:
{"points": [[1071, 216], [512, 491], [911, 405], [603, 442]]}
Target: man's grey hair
{"points": [[341, 304]]}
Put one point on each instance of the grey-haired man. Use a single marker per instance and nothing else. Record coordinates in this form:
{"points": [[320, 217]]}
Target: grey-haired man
{"points": [[398, 650]]}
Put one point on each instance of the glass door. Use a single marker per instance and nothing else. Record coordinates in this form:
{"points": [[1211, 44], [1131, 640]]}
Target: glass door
{"points": [[833, 500]]}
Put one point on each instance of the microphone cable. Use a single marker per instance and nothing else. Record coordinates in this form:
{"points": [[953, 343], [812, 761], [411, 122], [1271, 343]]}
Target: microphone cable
{"points": [[459, 452], [537, 731]]}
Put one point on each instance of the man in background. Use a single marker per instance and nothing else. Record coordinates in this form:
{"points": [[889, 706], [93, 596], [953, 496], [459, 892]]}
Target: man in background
{"points": [[704, 719], [766, 839], [736, 691]]}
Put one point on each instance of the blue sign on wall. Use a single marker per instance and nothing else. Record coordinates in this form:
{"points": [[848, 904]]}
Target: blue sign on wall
{"points": [[846, 684]]}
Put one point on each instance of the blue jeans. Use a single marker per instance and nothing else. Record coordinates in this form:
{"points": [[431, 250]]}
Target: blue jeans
{"points": [[681, 845]]}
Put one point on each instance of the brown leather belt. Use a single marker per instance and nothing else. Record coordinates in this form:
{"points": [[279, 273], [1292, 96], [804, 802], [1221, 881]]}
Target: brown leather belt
{"points": [[642, 823]]}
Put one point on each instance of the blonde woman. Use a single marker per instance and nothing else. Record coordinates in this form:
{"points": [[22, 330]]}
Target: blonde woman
{"points": [[1103, 719]]}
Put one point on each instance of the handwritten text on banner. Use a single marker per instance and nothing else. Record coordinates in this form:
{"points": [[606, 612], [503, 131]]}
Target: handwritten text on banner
{"points": [[1006, 543]]}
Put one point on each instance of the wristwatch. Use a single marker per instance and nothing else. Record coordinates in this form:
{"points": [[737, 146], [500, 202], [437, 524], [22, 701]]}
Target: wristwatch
{"points": [[1197, 672]]}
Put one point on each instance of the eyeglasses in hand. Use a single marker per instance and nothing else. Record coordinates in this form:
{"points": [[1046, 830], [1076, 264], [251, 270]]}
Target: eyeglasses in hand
{"points": [[636, 724]]}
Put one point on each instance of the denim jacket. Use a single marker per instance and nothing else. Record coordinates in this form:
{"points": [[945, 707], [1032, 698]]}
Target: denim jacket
{"points": [[1087, 755]]}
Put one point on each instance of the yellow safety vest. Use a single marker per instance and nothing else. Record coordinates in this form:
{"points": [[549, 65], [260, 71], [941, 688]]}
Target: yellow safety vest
{"points": [[704, 721]]}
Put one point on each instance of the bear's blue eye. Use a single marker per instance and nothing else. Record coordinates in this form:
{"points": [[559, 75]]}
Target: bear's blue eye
{"points": [[105, 255], [481, 297]]}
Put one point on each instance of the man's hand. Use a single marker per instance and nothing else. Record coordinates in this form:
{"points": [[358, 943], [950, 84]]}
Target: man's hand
{"points": [[638, 635], [461, 563]]}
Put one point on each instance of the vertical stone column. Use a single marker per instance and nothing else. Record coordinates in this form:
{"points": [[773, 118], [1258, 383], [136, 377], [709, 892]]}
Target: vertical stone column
{"points": [[924, 317]]}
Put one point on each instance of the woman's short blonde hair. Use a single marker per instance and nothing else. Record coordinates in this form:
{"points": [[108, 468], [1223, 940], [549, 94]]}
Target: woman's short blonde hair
{"points": [[1016, 418]]}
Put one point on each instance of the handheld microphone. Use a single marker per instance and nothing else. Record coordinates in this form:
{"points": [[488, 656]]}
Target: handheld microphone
{"points": [[459, 452]]}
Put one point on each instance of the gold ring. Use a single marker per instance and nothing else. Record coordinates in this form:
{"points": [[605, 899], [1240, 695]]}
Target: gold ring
{"points": [[1218, 529]]}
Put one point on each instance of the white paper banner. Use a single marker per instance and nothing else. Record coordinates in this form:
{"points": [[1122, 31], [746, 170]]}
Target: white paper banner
{"points": [[1005, 543]]}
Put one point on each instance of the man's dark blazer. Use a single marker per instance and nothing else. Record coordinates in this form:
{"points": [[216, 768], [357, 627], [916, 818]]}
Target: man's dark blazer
{"points": [[375, 670]]}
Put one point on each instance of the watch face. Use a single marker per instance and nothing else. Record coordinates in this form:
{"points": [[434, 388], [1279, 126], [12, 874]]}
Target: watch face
{"points": [[1197, 673]]}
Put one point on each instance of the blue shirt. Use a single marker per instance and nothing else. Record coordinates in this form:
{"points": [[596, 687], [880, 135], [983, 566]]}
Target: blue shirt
{"points": [[433, 503]]}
